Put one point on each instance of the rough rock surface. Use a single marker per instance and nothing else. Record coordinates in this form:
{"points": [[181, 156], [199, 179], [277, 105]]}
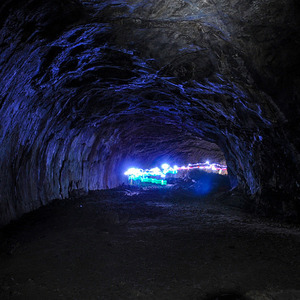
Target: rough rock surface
{"points": [[89, 88]]}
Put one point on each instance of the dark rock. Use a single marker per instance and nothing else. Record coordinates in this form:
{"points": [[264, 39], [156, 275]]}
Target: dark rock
{"points": [[226, 296], [77, 193]]}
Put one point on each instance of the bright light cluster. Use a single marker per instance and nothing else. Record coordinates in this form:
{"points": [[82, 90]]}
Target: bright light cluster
{"points": [[157, 175], [150, 175]]}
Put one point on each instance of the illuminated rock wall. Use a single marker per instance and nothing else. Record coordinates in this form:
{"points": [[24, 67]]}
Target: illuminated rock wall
{"points": [[89, 89]]}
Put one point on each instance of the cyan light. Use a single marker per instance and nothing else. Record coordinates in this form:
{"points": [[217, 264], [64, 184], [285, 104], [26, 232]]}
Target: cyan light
{"points": [[150, 176]]}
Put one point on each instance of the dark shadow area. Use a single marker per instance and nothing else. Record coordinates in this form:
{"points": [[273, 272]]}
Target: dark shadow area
{"points": [[228, 295], [201, 184], [146, 243]]}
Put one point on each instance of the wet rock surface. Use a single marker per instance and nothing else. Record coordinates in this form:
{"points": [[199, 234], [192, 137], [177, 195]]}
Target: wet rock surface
{"points": [[139, 244], [89, 88]]}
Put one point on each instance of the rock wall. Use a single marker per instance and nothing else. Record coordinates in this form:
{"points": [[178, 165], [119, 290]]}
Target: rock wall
{"points": [[89, 88]]}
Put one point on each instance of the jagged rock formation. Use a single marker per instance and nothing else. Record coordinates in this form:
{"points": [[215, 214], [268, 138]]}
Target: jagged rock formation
{"points": [[89, 88]]}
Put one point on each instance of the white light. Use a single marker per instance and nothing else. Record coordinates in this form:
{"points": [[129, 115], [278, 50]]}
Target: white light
{"points": [[134, 172], [165, 166], [155, 171]]}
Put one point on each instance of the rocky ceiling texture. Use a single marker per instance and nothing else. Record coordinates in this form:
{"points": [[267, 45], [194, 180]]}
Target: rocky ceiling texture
{"points": [[88, 88]]}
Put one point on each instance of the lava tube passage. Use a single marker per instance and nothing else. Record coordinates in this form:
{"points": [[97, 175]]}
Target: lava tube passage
{"points": [[202, 178]]}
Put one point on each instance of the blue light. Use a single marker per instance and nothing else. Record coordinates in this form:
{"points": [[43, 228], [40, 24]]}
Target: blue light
{"points": [[150, 175], [203, 186]]}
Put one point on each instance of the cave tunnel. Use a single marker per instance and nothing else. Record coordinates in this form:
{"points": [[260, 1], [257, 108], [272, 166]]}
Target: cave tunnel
{"points": [[91, 88]]}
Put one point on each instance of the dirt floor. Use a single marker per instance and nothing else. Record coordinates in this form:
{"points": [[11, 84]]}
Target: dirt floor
{"points": [[136, 244]]}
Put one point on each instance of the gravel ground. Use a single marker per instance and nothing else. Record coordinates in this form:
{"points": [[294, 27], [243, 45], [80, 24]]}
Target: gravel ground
{"points": [[144, 244]]}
